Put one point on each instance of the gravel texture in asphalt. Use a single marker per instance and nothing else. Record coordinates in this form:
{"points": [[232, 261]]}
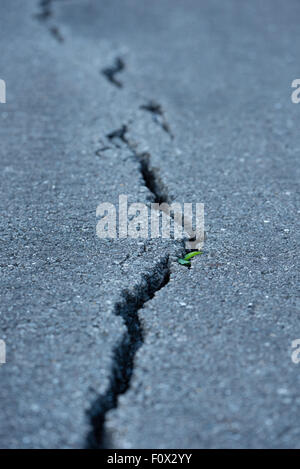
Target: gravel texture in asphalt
{"points": [[112, 343]]}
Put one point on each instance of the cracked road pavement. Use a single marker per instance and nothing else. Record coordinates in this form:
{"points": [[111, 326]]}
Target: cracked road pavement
{"points": [[214, 368]]}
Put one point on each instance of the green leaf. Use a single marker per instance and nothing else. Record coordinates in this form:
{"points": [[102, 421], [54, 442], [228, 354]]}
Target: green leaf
{"points": [[192, 254], [184, 262]]}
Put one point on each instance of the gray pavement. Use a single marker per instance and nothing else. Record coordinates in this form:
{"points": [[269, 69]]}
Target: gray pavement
{"points": [[112, 343]]}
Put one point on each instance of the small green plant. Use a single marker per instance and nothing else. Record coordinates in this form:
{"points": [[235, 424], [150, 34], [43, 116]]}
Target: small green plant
{"points": [[186, 259]]}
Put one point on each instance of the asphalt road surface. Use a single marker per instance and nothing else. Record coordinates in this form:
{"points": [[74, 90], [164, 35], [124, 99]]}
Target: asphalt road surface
{"points": [[112, 343]]}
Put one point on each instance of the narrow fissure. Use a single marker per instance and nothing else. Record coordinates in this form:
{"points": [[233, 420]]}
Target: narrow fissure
{"points": [[45, 15], [128, 308], [46, 10], [111, 72], [132, 302], [152, 179], [124, 353], [158, 116], [149, 173]]}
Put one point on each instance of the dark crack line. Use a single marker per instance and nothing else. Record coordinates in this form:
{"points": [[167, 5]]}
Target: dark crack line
{"points": [[128, 308], [119, 134], [158, 115], [45, 14], [46, 10], [124, 353], [150, 174], [54, 30], [111, 72]]}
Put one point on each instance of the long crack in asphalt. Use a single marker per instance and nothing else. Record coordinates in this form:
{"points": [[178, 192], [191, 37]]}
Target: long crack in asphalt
{"points": [[128, 308], [131, 302], [124, 354]]}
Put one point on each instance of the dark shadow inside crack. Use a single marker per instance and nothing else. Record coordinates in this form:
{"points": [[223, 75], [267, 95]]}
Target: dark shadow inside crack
{"points": [[111, 72], [124, 353]]}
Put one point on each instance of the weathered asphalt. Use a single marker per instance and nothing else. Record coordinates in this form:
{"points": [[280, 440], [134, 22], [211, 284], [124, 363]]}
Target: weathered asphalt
{"points": [[214, 368]]}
